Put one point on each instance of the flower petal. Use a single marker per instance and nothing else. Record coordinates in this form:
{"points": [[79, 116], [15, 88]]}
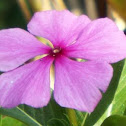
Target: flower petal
{"points": [[60, 27], [28, 84], [78, 84], [16, 47], [101, 40]]}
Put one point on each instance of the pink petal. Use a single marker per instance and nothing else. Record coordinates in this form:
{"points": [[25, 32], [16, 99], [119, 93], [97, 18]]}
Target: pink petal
{"points": [[101, 40], [18, 46], [28, 84], [78, 84], [60, 27]]}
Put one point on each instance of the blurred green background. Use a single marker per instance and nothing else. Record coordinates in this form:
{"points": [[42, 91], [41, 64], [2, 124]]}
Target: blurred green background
{"points": [[10, 14]]}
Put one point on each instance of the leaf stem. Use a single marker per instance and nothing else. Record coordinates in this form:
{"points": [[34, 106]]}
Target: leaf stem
{"points": [[85, 117], [37, 123], [72, 117]]}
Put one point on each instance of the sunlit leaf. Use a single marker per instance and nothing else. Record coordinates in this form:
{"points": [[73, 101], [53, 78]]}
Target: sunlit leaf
{"points": [[8, 121]]}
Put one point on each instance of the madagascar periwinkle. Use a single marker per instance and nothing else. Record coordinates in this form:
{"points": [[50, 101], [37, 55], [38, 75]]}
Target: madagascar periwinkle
{"points": [[77, 85]]}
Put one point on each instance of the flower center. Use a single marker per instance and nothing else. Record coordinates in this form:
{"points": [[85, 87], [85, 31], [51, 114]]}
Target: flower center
{"points": [[55, 52]]}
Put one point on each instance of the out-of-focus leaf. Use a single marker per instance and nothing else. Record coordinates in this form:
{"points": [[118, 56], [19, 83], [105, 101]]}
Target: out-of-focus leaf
{"points": [[113, 101], [8, 121], [119, 6], [58, 4], [91, 9], [40, 5], [51, 115], [115, 120], [75, 6], [24, 7]]}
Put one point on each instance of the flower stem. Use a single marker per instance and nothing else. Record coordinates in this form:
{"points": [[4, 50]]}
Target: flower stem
{"points": [[72, 117], [85, 117]]}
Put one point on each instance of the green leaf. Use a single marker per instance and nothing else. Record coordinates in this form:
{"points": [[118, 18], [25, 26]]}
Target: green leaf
{"points": [[21, 115], [8, 121], [51, 115], [115, 120], [113, 101]]}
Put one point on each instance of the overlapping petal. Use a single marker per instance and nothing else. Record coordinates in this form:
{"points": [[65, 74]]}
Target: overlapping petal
{"points": [[101, 41], [60, 27], [18, 46], [28, 84], [78, 84]]}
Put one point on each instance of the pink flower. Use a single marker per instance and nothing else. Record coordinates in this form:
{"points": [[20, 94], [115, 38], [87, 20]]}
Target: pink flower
{"points": [[77, 84]]}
